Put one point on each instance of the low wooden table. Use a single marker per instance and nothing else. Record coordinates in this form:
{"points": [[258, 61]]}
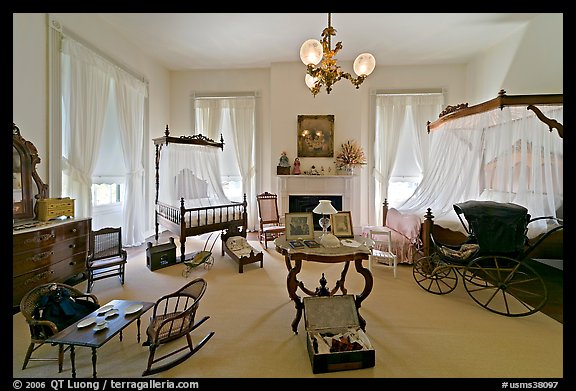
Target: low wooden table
{"points": [[86, 336], [342, 254]]}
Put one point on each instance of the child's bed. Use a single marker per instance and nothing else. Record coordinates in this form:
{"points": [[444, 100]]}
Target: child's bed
{"points": [[191, 206], [234, 244]]}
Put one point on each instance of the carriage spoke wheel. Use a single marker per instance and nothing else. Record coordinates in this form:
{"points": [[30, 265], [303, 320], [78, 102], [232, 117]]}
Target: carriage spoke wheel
{"points": [[434, 275], [505, 285]]}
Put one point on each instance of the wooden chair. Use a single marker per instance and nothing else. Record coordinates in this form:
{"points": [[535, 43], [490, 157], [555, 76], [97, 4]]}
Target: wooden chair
{"points": [[41, 329], [173, 317], [106, 258], [381, 251], [270, 226]]}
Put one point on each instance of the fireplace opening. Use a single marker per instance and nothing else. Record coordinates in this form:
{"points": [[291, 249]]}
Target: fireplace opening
{"points": [[306, 203]]}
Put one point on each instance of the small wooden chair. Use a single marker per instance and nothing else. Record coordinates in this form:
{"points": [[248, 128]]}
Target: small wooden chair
{"points": [[269, 218], [106, 258], [40, 329], [173, 318], [381, 251]]}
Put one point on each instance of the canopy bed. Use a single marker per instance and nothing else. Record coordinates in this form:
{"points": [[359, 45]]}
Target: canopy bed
{"points": [[508, 149], [190, 199]]}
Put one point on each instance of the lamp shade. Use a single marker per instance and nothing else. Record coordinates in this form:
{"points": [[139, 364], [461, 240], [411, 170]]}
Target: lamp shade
{"points": [[364, 64], [311, 52], [325, 208], [310, 81]]}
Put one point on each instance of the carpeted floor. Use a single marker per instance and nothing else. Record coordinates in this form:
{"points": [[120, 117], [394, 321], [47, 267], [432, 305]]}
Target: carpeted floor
{"points": [[415, 334]]}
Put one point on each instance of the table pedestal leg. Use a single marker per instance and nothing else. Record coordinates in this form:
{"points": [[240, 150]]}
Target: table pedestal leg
{"points": [[292, 285], [368, 284]]}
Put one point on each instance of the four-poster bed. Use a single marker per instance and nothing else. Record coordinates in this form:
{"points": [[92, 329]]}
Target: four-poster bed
{"points": [[189, 196], [498, 150]]}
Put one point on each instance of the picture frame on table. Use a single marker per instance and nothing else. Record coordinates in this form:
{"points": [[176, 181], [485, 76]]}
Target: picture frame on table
{"points": [[299, 226], [341, 224]]}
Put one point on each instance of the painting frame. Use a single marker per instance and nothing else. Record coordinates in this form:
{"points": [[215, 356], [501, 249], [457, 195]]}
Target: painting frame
{"points": [[315, 137], [341, 224], [299, 226]]}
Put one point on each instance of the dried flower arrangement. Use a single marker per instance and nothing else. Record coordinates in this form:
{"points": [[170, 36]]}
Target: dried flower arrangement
{"points": [[350, 155]]}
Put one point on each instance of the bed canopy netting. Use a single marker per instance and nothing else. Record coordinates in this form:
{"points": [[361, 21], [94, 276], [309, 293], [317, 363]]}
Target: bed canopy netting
{"points": [[503, 150]]}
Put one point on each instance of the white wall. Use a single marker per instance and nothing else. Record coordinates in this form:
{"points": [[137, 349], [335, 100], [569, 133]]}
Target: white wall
{"points": [[528, 61]]}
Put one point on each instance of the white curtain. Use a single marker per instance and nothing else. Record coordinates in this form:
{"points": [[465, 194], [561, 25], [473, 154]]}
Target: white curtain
{"points": [[503, 155], [242, 118], [130, 94], [194, 166], [391, 112], [208, 118], [210, 113], [85, 94]]}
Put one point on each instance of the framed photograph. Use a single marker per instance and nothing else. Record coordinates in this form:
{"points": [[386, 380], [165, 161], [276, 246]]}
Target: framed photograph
{"points": [[341, 224], [299, 226], [316, 135]]}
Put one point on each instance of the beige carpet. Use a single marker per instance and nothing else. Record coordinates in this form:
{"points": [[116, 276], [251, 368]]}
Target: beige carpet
{"points": [[415, 334]]}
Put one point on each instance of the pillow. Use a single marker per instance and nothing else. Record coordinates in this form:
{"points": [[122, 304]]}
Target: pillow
{"points": [[407, 224]]}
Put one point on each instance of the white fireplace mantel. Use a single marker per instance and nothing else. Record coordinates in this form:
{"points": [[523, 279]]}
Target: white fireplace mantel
{"points": [[315, 185]]}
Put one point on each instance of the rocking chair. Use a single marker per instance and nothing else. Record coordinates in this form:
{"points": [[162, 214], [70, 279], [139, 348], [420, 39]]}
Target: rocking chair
{"points": [[173, 318]]}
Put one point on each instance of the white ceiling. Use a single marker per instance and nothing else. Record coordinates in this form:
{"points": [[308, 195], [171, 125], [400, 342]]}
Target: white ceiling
{"points": [[187, 41]]}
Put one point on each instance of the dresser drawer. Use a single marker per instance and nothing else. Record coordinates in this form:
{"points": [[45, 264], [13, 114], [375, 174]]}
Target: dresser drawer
{"points": [[27, 261], [52, 273], [42, 238]]}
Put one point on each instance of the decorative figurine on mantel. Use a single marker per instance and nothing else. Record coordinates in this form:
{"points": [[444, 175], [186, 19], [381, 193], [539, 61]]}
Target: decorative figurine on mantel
{"points": [[283, 167], [296, 169]]}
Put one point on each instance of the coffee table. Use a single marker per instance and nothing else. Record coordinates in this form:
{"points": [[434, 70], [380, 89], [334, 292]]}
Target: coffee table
{"points": [[82, 333], [343, 254]]}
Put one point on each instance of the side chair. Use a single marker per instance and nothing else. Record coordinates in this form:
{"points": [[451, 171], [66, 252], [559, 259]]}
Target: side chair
{"points": [[269, 218], [106, 256]]}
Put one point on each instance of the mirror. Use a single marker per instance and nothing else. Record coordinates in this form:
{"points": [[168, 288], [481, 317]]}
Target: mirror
{"points": [[24, 177]]}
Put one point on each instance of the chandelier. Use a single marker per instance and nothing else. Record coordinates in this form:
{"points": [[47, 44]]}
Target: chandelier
{"points": [[328, 72]]}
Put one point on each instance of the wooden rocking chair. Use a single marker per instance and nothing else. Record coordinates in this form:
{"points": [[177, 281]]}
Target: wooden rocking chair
{"points": [[173, 318]]}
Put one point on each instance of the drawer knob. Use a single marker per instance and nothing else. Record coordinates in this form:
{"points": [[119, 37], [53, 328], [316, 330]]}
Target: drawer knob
{"points": [[74, 230], [73, 245]]}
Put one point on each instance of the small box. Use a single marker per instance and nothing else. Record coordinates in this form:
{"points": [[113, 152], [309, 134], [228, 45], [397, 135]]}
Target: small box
{"points": [[51, 208], [327, 318], [282, 170], [160, 256]]}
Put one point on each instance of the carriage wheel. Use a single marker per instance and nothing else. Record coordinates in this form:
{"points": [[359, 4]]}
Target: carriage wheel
{"points": [[505, 285], [434, 275], [209, 263]]}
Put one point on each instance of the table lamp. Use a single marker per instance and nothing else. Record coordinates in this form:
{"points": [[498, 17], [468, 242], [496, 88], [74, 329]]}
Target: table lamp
{"points": [[325, 208]]}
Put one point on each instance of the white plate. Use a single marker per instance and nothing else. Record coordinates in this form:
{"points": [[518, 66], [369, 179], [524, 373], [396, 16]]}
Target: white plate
{"points": [[111, 313], [100, 327], [87, 322], [106, 308], [133, 308]]}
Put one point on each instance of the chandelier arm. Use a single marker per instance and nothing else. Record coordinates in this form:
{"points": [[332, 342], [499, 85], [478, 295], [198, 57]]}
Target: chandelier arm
{"points": [[328, 72]]}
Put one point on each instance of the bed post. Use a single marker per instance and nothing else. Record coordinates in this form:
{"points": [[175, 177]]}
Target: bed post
{"points": [[182, 230], [384, 211], [427, 226]]}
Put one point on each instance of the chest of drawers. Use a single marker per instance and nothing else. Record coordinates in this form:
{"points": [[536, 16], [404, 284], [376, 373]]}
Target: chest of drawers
{"points": [[52, 252], [51, 208]]}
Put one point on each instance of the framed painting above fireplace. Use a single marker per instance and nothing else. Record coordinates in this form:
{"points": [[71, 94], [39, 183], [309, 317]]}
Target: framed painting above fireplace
{"points": [[316, 135]]}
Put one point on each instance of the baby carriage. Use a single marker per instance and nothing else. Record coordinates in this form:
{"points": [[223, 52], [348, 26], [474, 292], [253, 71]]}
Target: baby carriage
{"points": [[201, 258], [492, 261]]}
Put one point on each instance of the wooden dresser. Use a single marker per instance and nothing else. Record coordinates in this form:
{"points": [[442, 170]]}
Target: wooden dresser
{"points": [[52, 251]]}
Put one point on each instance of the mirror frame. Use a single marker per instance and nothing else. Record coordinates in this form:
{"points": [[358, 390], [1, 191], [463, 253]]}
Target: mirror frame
{"points": [[28, 160]]}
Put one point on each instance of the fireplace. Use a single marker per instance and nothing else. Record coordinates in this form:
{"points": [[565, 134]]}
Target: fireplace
{"points": [[306, 203]]}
